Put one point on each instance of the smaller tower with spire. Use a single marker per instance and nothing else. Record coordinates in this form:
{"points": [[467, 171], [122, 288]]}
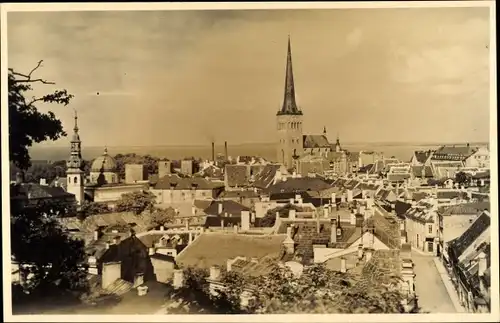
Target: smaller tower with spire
{"points": [[338, 148], [74, 172]]}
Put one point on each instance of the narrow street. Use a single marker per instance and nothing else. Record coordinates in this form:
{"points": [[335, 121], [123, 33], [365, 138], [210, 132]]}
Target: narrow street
{"points": [[432, 294]]}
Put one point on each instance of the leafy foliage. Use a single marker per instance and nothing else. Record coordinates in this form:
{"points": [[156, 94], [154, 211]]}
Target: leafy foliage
{"points": [[54, 260], [462, 178], [159, 217], [149, 162], [27, 125], [88, 208], [136, 202], [49, 171], [317, 290], [269, 218]]}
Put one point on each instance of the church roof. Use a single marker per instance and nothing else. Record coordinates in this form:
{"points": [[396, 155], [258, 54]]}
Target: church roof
{"points": [[104, 163], [315, 141], [289, 104]]}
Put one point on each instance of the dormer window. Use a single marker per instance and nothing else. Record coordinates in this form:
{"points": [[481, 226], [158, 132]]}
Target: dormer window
{"points": [[339, 231]]}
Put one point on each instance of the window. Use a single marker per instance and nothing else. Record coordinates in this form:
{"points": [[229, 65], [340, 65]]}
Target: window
{"points": [[75, 180], [429, 228]]}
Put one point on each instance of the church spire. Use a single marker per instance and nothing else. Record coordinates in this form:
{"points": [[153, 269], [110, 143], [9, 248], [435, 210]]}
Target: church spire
{"points": [[324, 130], [289, 103], [76, 136]]}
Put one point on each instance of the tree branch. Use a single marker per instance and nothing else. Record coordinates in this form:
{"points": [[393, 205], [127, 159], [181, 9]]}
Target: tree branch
{"points": [[28, 77]]}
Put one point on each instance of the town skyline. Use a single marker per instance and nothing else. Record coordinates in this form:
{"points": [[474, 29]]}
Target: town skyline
{"points": [[359, 57]]}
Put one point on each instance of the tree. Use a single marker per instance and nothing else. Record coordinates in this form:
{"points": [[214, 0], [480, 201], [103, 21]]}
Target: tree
{"points": [[159, 217], [27, 125], [317, 290], [92, 208], [150, 162], [50, 257], [462, 178], [269, 218], [136, 202]]}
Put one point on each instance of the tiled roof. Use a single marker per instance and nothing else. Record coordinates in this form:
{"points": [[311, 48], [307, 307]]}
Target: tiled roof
{"points": [[450, 194], [315, 141], [133, 255], [298, 185], [36, 191], [306, 234], [417, 196], [461, 243], [254, 268], [417, 171], [398, 177], [119, 287], [215, 248], [401, 207], [422, 156], [451, 151], [59, 182], [237, 175], [351, 184], [176, 182], [265, 178], [216, 221], [228, 206], [202, 204], [383, 265], [126, 220], [465, 208], [481, 175]]}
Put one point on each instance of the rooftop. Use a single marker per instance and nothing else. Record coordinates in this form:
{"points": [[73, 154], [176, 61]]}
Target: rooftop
{"points": [[215, 248]]}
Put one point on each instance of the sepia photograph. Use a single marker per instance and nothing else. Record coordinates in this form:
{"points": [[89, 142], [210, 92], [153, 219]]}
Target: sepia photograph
{"points": [[174, 160]]}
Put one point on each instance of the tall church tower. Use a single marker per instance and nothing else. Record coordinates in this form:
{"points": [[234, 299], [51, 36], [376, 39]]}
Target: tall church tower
{"points": [[289, 120], [74, 172]]}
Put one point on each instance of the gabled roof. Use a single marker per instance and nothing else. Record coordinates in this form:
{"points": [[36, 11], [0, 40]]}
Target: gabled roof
{"points": [[266, 176], [465, 208], [461, 243], [176, 182], [37, 191], [453, 152], [215, 248], [416, 171], [422, 156], [401, 207], [237, 175], [298, 185], [228, 206], [315, 141]]}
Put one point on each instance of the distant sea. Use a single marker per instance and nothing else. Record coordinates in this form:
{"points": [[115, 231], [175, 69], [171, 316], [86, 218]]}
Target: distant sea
{"points": [[402, 151]]}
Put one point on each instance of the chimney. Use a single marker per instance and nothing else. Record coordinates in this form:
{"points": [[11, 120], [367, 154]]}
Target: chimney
{"points": [[93, 265], [291, 214], [326, 212], [193, 210], [20, 177], [107, 245], [225, 149], [43, 182], [213, 151], [245, 220], [190, 237], [349, 196], [288, 243], [162, 228], [333, 233], [151, 251], [116, 240], [292, 200], [96, 235], [229, 264], [353, 218], [343, 267], [111, 271], [482, 264], [369, 253], [214, 273], [138, 280], [178, 280], [334, 199], [220, 208], [360, 251]]}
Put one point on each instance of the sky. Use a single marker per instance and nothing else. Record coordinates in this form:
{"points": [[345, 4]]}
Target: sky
{"points": [[143, 78]]}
